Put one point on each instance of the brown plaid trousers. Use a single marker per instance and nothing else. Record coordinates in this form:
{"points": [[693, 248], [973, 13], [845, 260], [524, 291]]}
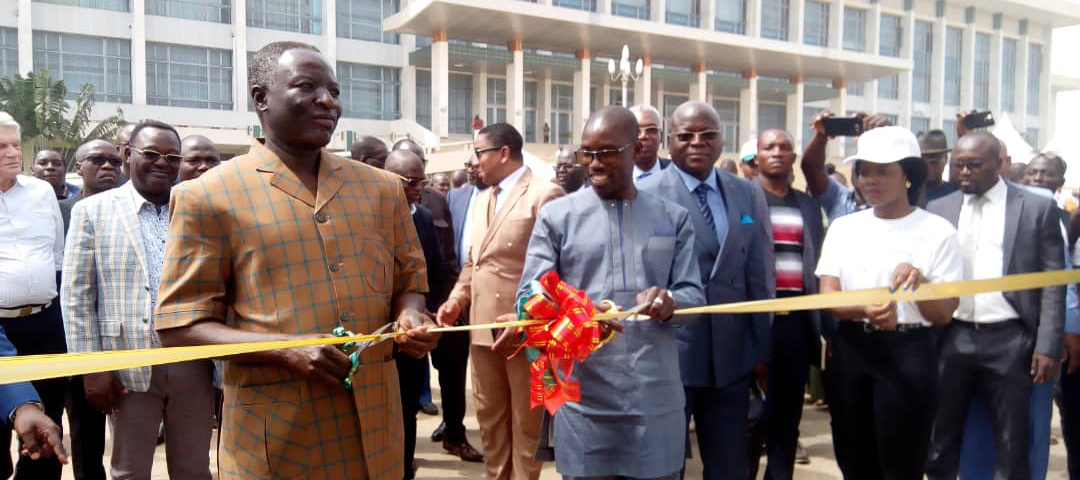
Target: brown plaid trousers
{"points": [[250, 244]]}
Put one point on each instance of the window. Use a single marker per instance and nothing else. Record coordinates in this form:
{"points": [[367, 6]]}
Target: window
{"points": [[303, 16], [854, 29], [954, 47], [888, 87], [949, 127], [807, 127], [671, 102], [731, 16], [771, 115], [816, 23], [856, 89], [461, 103], [920, 124], [1008, 75], [116, 5], [423, 98], [683, 12], [562, 96], [892, 35], [631, 8], [728, 110], [219, 11], [362, 19], [1034, 80], [1032, 137], [893, 119], [923, 52], [370, 91], [183, 76], [9, 52], [587, 5], [531, 101], [496, 100], [981, 91], [104, 63], [774, 19], [615, 97]]}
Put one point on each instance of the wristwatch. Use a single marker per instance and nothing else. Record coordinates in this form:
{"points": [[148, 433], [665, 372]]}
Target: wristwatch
{"points": [[39, 405]]}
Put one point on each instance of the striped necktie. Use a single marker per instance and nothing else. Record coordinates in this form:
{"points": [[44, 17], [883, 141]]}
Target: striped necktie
{"points": [[702, 191]]}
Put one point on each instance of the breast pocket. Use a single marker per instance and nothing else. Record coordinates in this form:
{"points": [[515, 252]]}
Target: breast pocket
{"points": [[375, 259], [659, 254]]}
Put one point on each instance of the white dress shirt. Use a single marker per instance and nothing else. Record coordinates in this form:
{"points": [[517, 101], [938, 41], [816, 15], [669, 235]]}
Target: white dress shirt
{"points": [[639, 173], [506, 184], [466, 230], [31, 243], [988, 258]]}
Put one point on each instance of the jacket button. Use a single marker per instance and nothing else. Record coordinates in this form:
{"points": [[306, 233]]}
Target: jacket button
{"points": [[146, 320], [333, 266], [322, 217], [344, 316], [497, 295], [509, 244]]}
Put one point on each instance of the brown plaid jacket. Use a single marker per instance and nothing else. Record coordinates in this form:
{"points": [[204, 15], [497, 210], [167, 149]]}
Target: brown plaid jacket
{"points": [[250, 244]]}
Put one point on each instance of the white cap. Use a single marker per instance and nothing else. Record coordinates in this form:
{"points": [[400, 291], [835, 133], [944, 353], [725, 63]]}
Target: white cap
{"points": [[748, 150], [886, 145]]}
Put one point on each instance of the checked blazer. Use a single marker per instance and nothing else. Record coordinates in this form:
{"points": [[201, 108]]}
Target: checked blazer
{"points": [[105, 288], [250, 246]]}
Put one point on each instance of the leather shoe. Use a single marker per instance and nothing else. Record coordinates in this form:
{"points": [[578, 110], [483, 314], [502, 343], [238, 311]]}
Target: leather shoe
{"points": [[429, 408], [463, 450], [437, 435]]}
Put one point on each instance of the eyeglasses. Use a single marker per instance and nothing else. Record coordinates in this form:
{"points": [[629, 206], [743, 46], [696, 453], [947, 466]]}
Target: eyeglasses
{"points": [[413, 182], [100, 160], [971, 166], [154, 156], [705, 136], [650, 130], [606, 156], [478, 151]]}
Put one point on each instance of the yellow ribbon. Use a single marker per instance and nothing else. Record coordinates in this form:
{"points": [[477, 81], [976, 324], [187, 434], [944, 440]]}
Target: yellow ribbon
{"points": [[37, 367]]}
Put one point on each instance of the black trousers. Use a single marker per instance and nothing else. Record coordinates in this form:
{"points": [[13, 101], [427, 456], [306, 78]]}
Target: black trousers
{"points": [[718, 414], [411, 380], [994, 361], [451, 359], [1070, 420], [40, 333], [882, 389], [794, 346], [87, 433]]}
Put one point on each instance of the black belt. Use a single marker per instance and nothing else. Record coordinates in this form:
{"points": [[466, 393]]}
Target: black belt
{"points": [[986, 325], [867, 327]]}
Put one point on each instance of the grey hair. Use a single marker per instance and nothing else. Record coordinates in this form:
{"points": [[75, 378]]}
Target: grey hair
{"points": [[6, 120], [644, 107]]}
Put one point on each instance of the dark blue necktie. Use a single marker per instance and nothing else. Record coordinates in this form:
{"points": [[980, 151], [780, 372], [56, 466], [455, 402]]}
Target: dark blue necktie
{"points": [[702, 191]]}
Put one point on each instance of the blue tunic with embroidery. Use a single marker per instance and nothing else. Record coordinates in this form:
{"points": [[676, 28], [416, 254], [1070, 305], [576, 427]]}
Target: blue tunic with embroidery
{"points": [[630, 419]]}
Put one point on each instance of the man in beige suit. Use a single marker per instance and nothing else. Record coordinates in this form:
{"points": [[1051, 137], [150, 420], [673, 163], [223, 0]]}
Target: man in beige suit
{"points": [[501, 222]]}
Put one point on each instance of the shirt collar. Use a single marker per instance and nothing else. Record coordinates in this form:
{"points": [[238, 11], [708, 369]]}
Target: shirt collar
{"points": [[137, 200], [507, 183], [412, 209], [655, 168], [692, 182]]}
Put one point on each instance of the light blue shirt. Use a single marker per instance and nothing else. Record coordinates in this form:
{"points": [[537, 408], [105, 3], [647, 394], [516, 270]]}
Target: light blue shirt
{"points": [[714, 198], [1072, 300]]}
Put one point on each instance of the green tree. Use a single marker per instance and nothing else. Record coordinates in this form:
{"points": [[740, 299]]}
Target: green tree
{"points": [[48, 120]]}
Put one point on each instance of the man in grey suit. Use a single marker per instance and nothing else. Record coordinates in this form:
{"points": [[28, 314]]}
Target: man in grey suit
{"points": [[650, 131], [733, 243], [998, 342]]}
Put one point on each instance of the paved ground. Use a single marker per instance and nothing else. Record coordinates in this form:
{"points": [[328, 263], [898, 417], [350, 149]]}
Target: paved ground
{"points": [[436, 465]]}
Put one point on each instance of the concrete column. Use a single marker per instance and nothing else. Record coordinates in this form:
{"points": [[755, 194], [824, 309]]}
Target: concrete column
{"points": [[836, 24], [906, 52], [479, 98], [1047, 105], [753, 18], [658, 10], [1021, 90], [795, 102], [873, 29], [138, 52], [708, 14], [241, 97], [543, 103], [838, 105], [796, 13], [937, 74], [748, 106], [603, 7], [643, 85], [582, 84], [605, 94], [871, 97], [699, 89], [26, 37], [329, 32], [440, 84], [996, 41], [967, 68], [515, 87]]}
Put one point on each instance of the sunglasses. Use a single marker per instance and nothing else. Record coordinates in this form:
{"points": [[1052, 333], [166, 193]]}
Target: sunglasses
{"points": [[705, 136], [100, 160], [154, 156], [606, 156], [413, 182]]}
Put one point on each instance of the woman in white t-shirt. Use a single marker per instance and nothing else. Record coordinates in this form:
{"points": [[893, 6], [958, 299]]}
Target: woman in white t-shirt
{"points": [[882, 372]]}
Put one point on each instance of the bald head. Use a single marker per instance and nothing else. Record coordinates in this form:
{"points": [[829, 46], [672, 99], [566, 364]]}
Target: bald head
{"points": [[98, 163], [370, 150], [123, 135], [694, 140], [96, 146], [976, 161], [459, 178], [441, 183], [410, 145], [410, 168], [200, 155], [401, 160], [617, 124], [697, 111], [613, 131]]}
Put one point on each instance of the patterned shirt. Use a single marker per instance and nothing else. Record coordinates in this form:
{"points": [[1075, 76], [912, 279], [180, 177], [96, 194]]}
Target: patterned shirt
{"points": [[154, 225], [787, 228]]}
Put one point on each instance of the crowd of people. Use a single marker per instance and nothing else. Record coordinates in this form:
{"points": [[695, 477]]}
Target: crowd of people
{"points": [[166, 245]]}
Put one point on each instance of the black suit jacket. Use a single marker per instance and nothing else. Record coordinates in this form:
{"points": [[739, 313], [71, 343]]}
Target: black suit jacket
{"points": [[439, 210], [1032, 243], [436, 271]]}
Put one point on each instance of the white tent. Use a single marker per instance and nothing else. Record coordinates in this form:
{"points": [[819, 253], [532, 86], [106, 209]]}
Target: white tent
{"points": [[539, 167], [1019, 149]]}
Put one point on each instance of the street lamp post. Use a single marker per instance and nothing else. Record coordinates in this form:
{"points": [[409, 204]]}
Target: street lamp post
{"points": [[624, 73]]}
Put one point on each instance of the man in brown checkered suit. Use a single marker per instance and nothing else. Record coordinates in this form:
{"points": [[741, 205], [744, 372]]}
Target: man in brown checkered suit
{"points": [[290, 241]]}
